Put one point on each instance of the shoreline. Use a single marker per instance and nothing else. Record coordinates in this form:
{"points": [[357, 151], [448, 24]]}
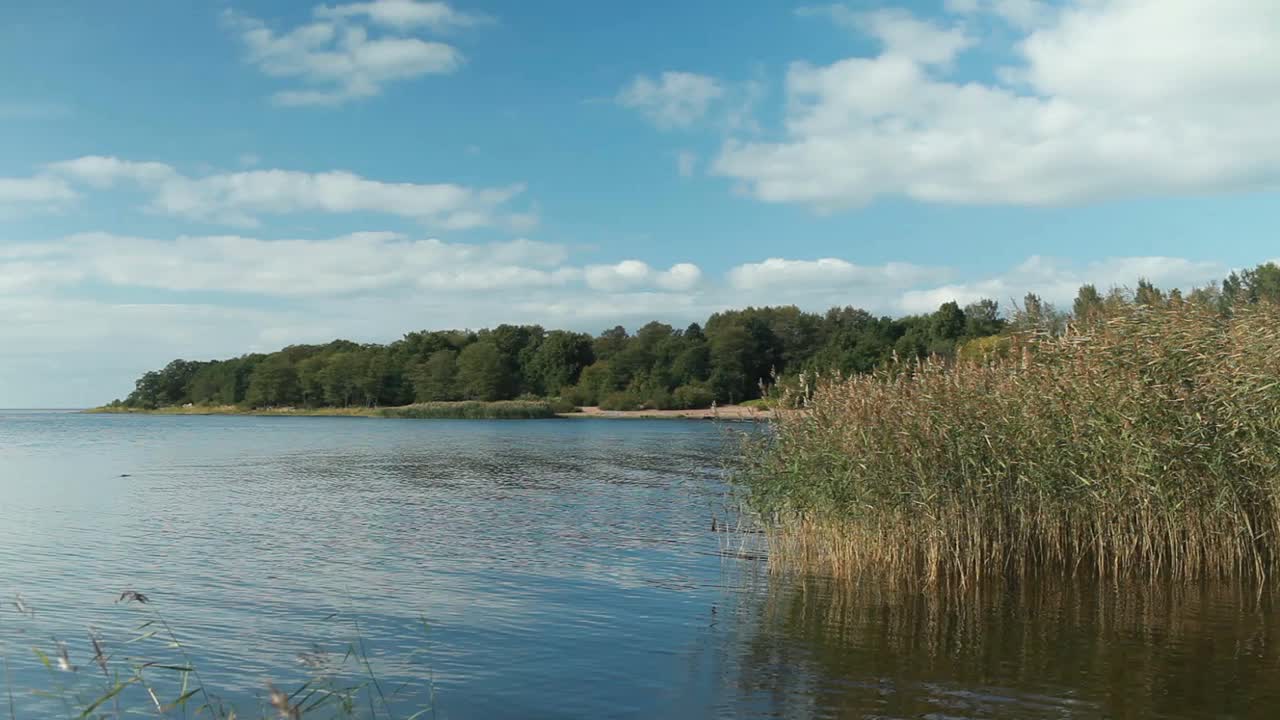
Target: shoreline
{"points": [[728, 413], [734, 413]]}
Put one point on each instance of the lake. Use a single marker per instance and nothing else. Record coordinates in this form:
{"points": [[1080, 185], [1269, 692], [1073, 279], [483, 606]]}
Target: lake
{"points": [[535, 569]]}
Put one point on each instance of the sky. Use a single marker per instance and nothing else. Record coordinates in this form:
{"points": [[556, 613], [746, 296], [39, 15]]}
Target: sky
{"points": [[206, 178]]}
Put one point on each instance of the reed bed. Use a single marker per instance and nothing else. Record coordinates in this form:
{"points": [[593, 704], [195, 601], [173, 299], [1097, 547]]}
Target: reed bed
{"points": [[1146, 443], [476, 410]]}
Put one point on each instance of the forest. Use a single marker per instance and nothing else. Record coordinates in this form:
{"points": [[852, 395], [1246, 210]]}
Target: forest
{"points": [[731, 358]]}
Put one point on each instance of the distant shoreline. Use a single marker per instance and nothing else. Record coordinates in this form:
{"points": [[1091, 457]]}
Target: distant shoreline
{"points": [[458, 410]]}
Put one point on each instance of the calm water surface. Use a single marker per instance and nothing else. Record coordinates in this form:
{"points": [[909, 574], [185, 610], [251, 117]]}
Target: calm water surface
{"points": [[538, 570]]}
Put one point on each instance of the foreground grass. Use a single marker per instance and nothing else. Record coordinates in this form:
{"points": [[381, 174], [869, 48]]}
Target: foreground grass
{"points": [[471, 410], [1145, 444]]}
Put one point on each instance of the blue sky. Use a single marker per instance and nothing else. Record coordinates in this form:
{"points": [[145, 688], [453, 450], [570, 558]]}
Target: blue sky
{"points": [[201, 179]]}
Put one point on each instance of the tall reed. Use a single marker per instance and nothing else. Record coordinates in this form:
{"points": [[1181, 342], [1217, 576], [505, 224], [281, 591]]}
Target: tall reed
{"points": [[475, 410], [1144, 443]]}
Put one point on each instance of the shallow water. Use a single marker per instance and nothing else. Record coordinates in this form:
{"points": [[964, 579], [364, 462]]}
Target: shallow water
{"points": [[547, 569]]}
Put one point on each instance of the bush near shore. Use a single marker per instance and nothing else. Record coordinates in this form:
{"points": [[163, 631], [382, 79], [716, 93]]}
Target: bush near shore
{"points": [[1142, 440]]}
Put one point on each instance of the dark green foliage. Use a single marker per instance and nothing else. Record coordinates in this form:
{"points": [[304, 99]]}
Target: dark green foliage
{"points": [[482, 374], [1088, 303], [736, 354], [621, 401], [1251, 286], [339, 376], [982, 318], [562, 406], [559, 360], [274, 383], [170, 386], [730, 357], [692, 397], [610, 343], [1148, 294], [436, 378]]}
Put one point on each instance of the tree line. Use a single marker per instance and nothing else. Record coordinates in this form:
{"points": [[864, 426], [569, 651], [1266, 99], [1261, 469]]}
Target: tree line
{"points": [[728, 359]]}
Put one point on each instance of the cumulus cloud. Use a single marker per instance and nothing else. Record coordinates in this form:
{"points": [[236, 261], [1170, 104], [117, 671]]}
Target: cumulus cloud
{"points": [[104, 172], [899, 32], [632, 274], [1105, 99], [827, 273], [238, 198], [39, 192], [337, 60], [673, 99]]}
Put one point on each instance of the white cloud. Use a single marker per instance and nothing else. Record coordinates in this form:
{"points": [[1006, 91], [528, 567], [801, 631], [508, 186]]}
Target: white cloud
{"points": [[404, 14], [238, 198], [40, 192], [899, 32], [366, 263], [335, 57], [22, 277], [357, 263], [827, 274], [104, 172], [674, 99], [632, 274], [1109, 98], [686, 163]]}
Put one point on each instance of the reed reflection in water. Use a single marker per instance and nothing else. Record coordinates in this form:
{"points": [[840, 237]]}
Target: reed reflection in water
{"points": [[1040, 649]]}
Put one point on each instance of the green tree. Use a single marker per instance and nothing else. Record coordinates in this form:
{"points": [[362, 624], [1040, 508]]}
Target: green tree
{"points": [[378, 378], [1088, 304], [1262, 284], [593, 384], [1148, 294], [693, 364], [310, 380], [946, 326], [559, 360], [982, 318], [436, 379], [482, 374], [610, 343], [731, 381], [274, 383], [339, 378], [1037, 314]]}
